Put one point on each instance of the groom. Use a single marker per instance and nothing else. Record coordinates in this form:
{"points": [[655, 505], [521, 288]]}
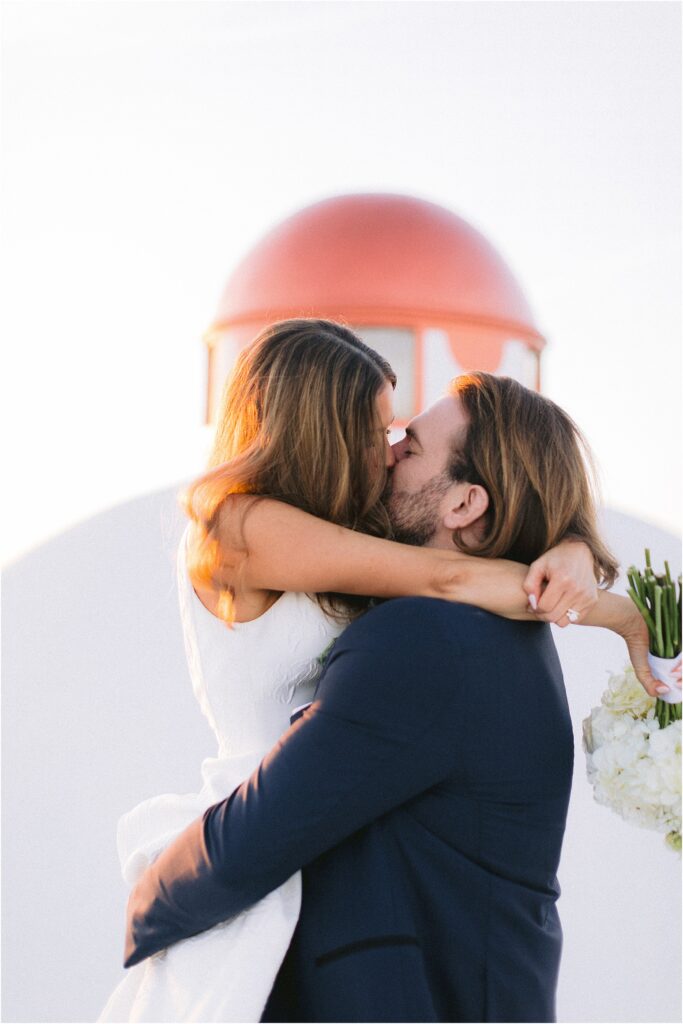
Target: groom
{"points": [[424, 794]]}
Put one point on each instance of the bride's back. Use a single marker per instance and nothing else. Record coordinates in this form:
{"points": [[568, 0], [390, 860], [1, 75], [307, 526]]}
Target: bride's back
{"points": [[249, 677]]}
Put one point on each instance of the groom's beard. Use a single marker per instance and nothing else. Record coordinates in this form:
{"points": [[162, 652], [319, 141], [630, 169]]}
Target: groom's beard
{"points": [[414, 515]]}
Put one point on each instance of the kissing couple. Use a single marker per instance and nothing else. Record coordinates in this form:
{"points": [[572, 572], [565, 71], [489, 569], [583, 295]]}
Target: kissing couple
{"points": [[391, 854]]}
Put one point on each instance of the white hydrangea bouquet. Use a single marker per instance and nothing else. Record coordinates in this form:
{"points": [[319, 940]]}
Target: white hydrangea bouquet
{"points": [[632, 741]]}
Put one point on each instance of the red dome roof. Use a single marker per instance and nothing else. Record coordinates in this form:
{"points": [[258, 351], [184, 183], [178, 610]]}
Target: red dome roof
{"points": [[375, 254]]}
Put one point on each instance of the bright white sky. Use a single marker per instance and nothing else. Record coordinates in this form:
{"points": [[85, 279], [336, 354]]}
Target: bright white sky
{"points": [[148, 145]]}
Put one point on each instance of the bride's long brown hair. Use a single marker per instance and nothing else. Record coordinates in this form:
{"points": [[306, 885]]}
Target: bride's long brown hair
{"points": [[297, 423]]}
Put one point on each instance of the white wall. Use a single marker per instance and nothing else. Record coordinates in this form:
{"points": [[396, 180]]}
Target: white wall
{"points": [[98, 714]]}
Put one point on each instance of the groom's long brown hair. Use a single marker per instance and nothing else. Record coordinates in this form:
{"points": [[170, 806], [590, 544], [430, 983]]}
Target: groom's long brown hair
{"points": [[536, 467], [297, 423]]}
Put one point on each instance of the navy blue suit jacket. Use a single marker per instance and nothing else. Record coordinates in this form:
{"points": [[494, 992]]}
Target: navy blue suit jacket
{"points": [[424, 794]]}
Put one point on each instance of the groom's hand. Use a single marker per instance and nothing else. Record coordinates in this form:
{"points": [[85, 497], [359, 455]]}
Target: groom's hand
{"points": [[563, 578]]}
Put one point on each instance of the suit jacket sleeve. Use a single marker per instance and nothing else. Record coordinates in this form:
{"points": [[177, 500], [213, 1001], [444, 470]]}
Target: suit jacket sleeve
{"points": [[381, 731]]}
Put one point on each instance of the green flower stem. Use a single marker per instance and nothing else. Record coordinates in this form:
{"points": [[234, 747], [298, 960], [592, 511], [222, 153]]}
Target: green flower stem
{"points": [[658, 621], [667, 713], [640, 605], [664, 716], [670, 621], [636, 581], [673, 620], [633, 580]]}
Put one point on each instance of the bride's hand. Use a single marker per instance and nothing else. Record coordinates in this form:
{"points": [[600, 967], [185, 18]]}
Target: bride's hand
{"points": [[562, 578], [635, 633]]}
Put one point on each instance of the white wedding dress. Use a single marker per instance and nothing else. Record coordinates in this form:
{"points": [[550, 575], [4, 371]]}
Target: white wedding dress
{"points": [[248, 681]]}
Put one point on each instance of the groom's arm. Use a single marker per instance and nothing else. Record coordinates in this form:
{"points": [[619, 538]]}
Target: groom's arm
{"points": [[379, 733]]}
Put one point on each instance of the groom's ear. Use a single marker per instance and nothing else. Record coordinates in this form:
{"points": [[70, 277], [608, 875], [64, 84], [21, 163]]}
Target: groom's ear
{"points": [[467, 504]]}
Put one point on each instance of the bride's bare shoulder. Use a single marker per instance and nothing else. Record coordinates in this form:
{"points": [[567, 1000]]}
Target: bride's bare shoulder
{"points": [[227, 531], [231, 561], [243, 520], [229, 526], [229, 522], [255, 535]]}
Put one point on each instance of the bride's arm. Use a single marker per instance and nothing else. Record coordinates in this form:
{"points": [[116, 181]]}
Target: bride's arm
{"points": [[269, 545], [620, 615], [275, 546]]}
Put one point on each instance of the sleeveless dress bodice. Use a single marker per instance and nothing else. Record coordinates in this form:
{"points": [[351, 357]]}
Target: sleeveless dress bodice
{"points": [[248, 679]]}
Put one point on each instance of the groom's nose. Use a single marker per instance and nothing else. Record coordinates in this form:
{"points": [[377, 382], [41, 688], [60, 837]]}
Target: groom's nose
{"points": [[397, 449]]}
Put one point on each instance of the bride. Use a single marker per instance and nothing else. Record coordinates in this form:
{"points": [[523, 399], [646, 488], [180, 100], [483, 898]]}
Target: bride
{"points": [[286, 544]]}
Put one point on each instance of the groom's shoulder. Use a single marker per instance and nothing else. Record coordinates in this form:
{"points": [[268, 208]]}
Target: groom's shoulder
{"points": [[417, 621], [408, 626], [394, 659]]}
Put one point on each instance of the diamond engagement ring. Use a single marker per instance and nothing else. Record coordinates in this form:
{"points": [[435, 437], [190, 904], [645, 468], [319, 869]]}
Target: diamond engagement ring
{"points": [[572, 615]]}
